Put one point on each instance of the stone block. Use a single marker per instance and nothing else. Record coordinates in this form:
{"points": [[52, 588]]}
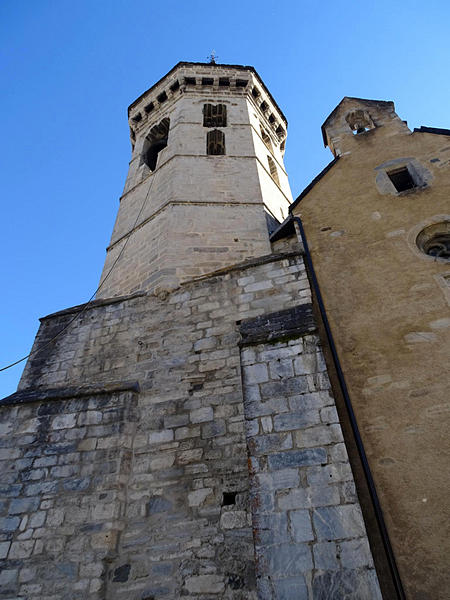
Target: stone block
{"points": [[356, 553], [4, 549], [235, 519], [290, 421], [23, 505], [7, 577], [64, 421], [297, 458], [160, 437], [201, 415], [291, 588], [326, 556], [255, 374], [21, 549], [338, 522], [301, 526], [321, 435], [214, 429], [9, 523], [346, 583], [271, 529], [265, 444], [205, 584], [197, 497], [284, 560]]}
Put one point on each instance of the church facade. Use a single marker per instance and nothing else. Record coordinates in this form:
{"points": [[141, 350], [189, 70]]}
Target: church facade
{"points": [[223, 421]]}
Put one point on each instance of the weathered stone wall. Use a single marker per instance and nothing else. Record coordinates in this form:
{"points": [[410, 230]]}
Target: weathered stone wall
{"points": [[64, 467], [196, 212], [178, 514], [388, 307]]}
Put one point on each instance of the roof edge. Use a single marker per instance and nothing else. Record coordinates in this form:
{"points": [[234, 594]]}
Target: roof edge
{"points": [[213, 65], [363, 100], [310, 186], [435, 130]]}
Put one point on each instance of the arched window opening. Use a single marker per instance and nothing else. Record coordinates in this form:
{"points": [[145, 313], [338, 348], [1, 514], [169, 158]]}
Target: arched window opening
{"points": [[214, 115], [273, 170], [215, 142], [359, 121], [434, 240], [155, 142], [266, 138]]}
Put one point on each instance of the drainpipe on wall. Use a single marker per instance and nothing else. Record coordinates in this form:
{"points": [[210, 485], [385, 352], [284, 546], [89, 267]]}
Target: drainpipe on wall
{"points": [[354, 425]]}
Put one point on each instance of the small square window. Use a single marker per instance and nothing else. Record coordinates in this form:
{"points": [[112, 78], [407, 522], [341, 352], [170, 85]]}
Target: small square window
{"points": [[207, 81], [149, 107], [189, 80], [224, 81], [175, 86], [401, 179], [241, 82]]}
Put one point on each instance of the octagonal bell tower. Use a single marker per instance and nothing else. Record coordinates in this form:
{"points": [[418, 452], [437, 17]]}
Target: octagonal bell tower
{"points": [[206, 173]]}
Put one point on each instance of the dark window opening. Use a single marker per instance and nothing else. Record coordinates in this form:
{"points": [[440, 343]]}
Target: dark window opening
{"points": [[175, 86], [280, 132], [215, 142], [434, 240], [438, 246], [132, 134], [401, 179], [359, 121], [162, 97], [155, 142], [214, 115], [283, 146], [264, 106], [229, 498], [273, 170], [241, 83], [255, 92], [149, 107], [137, 118], [189, 80], [224, 81], [271, 118], [266, 139], [207, 81]]}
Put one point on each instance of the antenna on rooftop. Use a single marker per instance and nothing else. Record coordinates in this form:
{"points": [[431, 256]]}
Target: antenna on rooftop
{"points": [[212, 57]]}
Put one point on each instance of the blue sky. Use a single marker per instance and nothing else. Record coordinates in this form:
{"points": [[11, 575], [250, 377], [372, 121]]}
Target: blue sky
{"points": [[70, 69]]}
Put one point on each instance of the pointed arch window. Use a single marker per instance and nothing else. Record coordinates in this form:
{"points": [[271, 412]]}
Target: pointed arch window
{"points": [[155, 141], [266, 138], [215, 142], [273, 170]]}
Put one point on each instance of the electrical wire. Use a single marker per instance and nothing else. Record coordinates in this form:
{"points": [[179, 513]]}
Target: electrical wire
{"points": [[88, 303]]}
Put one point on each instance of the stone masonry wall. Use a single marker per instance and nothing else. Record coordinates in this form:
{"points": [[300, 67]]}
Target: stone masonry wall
{"points": [[180, 513], [310, 538], [64, 464]]}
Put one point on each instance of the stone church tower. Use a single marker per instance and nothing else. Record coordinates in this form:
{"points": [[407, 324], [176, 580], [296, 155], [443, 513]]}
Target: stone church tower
{"points": [[178, 437], [184, 211]]}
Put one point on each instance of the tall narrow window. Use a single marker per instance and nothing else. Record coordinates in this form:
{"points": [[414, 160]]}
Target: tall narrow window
{"points": [[214, 115], [266, 138], [215, 142], [273, 170], [155, 142]]}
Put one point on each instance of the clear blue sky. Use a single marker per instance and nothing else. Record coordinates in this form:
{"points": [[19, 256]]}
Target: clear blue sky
{"points": [[70, 69]]}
